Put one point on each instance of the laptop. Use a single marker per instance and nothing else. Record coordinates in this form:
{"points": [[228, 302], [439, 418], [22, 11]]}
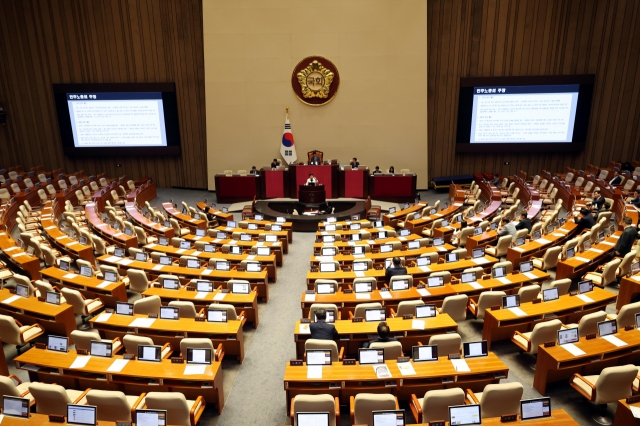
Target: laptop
{"points": [[376, 314], [397, 285], [170, 284], [217, 315], [52, 297], [465, 415], [608, 327], [386, 248], [225, 210], [312, 419], [526, 267], [451, 257], [128, 231], [325, 251], [586, 245], [426, 311], [360, 266], [169, 313], [16, 407], [423, 261], [319, 357], [149, 353], [568, 335], [204, 286], [110, 276], [510, 301], [164, 260], [325, 288], [151, 417], [362, 287], [370, 356], [327, 267], [413, 245], [388, 417], [58, 343], [102, 349], [535, 408], [475, 349], [435, 282], [240, 288], [141, 257], [635, 268], [585, 286], [123, 308], [424, 353], [445, 223], [199, 356], [550, 294], [263, 251], [222, 265], [331, 317]]}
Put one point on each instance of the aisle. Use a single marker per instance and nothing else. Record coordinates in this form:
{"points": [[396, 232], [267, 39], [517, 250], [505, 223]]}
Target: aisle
{"points": [[257, 396]]}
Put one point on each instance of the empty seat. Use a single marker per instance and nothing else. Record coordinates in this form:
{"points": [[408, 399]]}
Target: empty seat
{"points": [[180, 411], [114, 405], [53, 399], [323, 403], [448, 343], [498, 399], [363, 405], [435, 404]]}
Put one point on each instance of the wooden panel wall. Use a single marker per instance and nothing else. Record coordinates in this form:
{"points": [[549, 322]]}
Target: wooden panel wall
{"points": [[481, 38], [43, 42]]}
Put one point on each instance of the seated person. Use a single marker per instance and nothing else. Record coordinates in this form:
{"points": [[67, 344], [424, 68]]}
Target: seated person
{"points": [[395, 268], [383, 335], [324, 208], [354, 163], [495, 181], [598, 201], [507, 228], [636, 201], [605, 208], [584, 219], [315, 159], [254, 171], [275, 163], [525, 222], [392, 170], [322, 330], [616, 180], [455, 239], [377, 171], [312, 181]]}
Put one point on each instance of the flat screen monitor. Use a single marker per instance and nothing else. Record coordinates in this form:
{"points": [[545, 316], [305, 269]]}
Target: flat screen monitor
{"points": [[386, 248], [280, 219], [200, 232], [355, 226], [221, 235], [370, 356], [128, 231], [413, 245], [360, 266], [535, 408], [245, 237], [426, 311], [240, 288], [477, 231], [263, 251], [83, 240], [204, 286], [327, 267], [22, 290], [355, 217], [170, 283], [325, 288], [235, 250], [271, 238], [193, 263], [222, 265], [110, 276], [438, 242], [209, 248], [151, 417], [477, 252], [327, 251], [119, 252], [231, 224], [586, 245], [550, 229], [149, 353], [536, 235], [376, 314], [398, 285], [445, 223], [312, 419], [16, 407], [164, 260], [433, 211], [363, 287], [465, 415], [493, 226], [217, 315], [328, 238], [58, 343], [199, 356], [378, 224], [570, 252], [510, 301], [254, 267], [185, 245], [169, 313], [252, 226], [606, 328], [330, 227], [163, 241], [141, 257], [638, 321], [568, 335], [382, 235], [468, 277], [452, 257], [519, 241], [124, 308], [499, 272], [258, 217], [423, 261], [52, 297], [550, 294], [585, 286], [357, 250], [330, 319], [392, 210], [98, 348], [331, 219], [405, 232], [356, 237], [64, 265], [475, 349], [225, 210], [437, 281], [318, 357], [424, 353], [526, 266], [388, 417], [635, 268]]}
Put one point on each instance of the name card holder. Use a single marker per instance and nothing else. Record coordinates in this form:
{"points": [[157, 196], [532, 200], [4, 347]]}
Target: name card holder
{"points": [[496, 307], [629, 327], [56, 418], [454, 356], [200, 319], [573, 293], [403, 359], [123, 423], [296, 363], [549, 344], [41, 346], [305, 320], [356, 319], [347, 291], [82, 352], [536, 300], [505, 418], [130, 357], [190, 288], [177, 360], [224, 290], [407, 317], [156, 285], [348, 361], [152, 316], [437, 423], [633, 399], [384, 289], [590, 336], [109, 311]]}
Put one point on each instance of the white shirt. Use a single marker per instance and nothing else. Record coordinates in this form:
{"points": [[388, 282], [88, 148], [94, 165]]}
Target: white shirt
{"points": [[311, 180]]}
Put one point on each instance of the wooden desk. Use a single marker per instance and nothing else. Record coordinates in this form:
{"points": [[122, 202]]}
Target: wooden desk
{"points": [[144, 192], [417, 226], [537, 248], [222, 218], [173, 331], [353, 334], [556, 363], [501, 324], [56, 319], [40, 420], [59, 239], [276, 247], [236, 188], [364, 224], [267, 261], [344, 381], [346, 233], [629, 290], [89, 287], [447, 231], [135, 378], [374, 244], [380, 258], [242, 302], [312, 194], [393, 187], [624, 416], [257, 279], [482, 240], [392, 219], [283, 236], [20, 258], [184, 220], [558, 418], [286, 226], [148, 225], [117, 237], [596, 255]]}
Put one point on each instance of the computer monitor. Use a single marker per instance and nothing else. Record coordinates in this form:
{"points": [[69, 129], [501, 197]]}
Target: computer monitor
{"points": [[217, 315], [357, 250], [388, 417], [445, 223], [222, 265], [535, 408], [600, 236], [465, 415], [493, 226], [568, 335], [118, 252], [397, 285], [58, 343], [204, 286], [328, 238], [360, 266], [99, 348], [270, 238], [325, 251], [382, 235], [163, 241], [221, 235], [498, 272], [475, 349], [199, 356], [235, 250], [423, 261], [526, 266], [585, 286], [200, 232], [375, 314], [635, 268], [638, 321], [355, 226], [468, 277], [225, 210], [110, 276], [128, 231], [571, 252], [426, 311], [116, 226], [608, 327], [331, 219], [52, 297], [185, 245], [386, 248], [245, 237], [451, 257], [477, 231], [169, 313], [170, 284], [330, 227], [550, 229], [209, 248], [510, 301], [413, 245], [378, 224], [312, 419], [319, 357], [124, 308], [263, 251], [519, 241], [325, 288], [586, 245], [83, 240], [22, 290], [149, 353], [193, 263], [433, 211], [536, 234], [240, 288], [151, 417], [15, 407], [330, 319], [231, 224], [164, 260], [64, 265], [550, 294], [363, 287], [477, 252], [327, 267], [370, 356], [258, 217], [141, 257], [405, 232], [424, 353], [252, 226], [392, 210], [280, 219], [254, 267], [437, 281], [438, 242]]}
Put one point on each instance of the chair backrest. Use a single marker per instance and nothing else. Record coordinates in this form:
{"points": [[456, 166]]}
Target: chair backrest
{"points": [[499, 399], [186, 309], [503, 245], [436, 403], [316, 404], [589, 323], [544, 332], [449, 343], [488, 299], [50, 398], [8, 387], [528, 293], [466, 232], [147, 305], [614, 383], [407, 307], [456, 307], [392, 350], [562, 285], [360, 308], [103, 182], [111, 405], [195, 342], [131, 342], [75, 299], [506, 264], [323, 344], [627, 315], [9, 331], [365, 403], [609, 273], [174, 402], [82, 339], [625, 265], [550, 259]]}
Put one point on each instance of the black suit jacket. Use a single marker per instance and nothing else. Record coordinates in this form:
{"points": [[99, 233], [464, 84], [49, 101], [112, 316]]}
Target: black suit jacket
{"points": [[322, 330], [626, 240], [524, 224], [598, 202], [392, 271], [616, 180], [585, 223], [636, 201], [315, 159], [274, 165]]}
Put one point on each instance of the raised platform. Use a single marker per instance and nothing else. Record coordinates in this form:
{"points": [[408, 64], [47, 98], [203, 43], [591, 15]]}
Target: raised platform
{"points": [[304, 223]]}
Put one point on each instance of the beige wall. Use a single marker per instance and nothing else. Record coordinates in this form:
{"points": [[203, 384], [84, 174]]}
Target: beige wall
{"points": [[380, 112]]}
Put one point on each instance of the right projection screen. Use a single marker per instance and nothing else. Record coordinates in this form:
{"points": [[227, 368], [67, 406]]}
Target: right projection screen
{"points": [[499, 114]]}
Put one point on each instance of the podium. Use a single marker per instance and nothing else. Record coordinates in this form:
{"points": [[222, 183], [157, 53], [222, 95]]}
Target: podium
{"points": [[312, 194]]}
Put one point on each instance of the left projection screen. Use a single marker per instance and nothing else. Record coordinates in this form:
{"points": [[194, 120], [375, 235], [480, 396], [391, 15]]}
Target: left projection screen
{"points": [[118, 119]]}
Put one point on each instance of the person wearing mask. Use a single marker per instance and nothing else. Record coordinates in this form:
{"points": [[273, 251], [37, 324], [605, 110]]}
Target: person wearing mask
{"points": [[354, 163], [395, 268], [392, 170], [312, 181], [598, 201], [525, 222], [507, 228], [254, 171], [584, 219], [377, 171], [383, 335], [275, 163], [321, 329]]}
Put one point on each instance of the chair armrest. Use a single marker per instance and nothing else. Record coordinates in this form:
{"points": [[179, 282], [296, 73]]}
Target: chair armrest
{"points": [[201, 312], [416, 408], [135, 404], [29, 328], [15, 378], [243, 317], [255, 289], [474, 399], [219, 353], [18, 323], [117, 339], [341, 354], [167, 345], [352, 412], [525, 338], [473, 306], [291, 412], [82, 395], [439, 310], [397, 406], [393, 313], [350, 314], [337, 408], [592, 397], [97, 299], [199, 402]]}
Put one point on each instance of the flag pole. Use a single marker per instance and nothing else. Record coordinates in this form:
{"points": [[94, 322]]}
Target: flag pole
{"points": [[287, 112]]}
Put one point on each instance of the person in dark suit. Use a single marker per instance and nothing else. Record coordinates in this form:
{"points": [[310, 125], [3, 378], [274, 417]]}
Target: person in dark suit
{"points": [[376, 171], [392, 170], [598, 200], [395, 268], [626, 240], [617, 179], [274, 163], [254, 171], [605, 208], [636, 201], [320, 329], [315, 159], [383, 335], [584, 219], [354, 163], [525, 222]]}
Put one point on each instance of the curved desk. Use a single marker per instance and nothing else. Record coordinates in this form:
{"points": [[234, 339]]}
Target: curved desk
{"points": [[312, 194]]}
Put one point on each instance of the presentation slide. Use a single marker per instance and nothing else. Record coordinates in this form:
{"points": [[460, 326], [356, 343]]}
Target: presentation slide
{"points": [[524, 114], [117, 119]]}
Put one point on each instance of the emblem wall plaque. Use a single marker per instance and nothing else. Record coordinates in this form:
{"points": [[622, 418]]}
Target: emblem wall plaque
{"points": [[315, 80]]}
